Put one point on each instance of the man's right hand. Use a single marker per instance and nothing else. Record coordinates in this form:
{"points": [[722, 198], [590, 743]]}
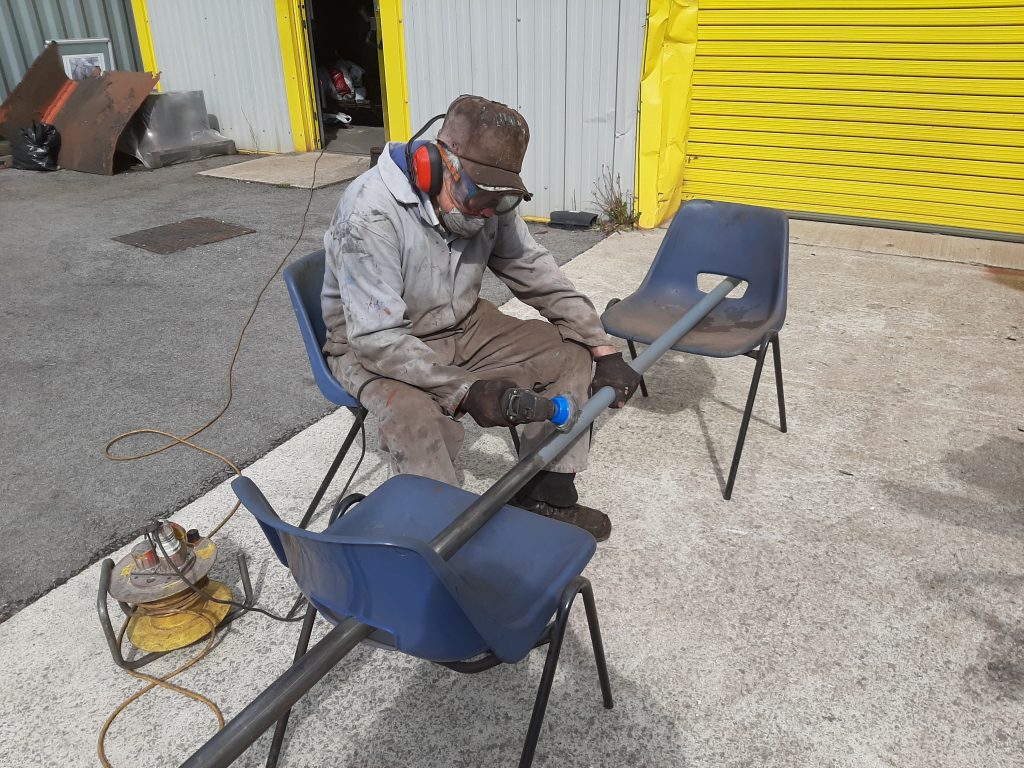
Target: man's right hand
{"points": [[612, 371], [483, 402]]}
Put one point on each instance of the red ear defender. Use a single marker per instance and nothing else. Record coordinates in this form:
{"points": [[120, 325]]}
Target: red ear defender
{"points": [[426, 163]]}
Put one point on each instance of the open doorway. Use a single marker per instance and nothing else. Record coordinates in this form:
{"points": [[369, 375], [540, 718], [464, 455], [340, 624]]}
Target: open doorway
{"points": [[344, 41]]}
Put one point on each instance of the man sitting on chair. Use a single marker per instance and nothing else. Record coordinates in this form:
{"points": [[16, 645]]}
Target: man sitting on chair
{"points": [[407, 332]]}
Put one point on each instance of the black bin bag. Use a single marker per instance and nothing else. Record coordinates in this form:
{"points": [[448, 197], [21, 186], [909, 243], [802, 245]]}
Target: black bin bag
{"points": [[36, 148]]}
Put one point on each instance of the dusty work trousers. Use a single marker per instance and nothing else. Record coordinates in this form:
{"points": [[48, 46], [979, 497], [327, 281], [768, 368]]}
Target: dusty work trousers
{"points": [[422, 440]]}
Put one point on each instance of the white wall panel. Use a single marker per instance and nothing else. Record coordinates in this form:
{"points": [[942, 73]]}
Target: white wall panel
{"points": [[591, 59], [231, 52], [632, 28], [455, 47], [541, 35], [572, 67]]}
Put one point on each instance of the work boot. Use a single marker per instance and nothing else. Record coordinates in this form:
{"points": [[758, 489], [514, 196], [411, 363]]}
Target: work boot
{"points": [[593, 521]]}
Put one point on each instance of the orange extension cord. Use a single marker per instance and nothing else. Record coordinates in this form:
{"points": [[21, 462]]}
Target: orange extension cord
{"points": [[163, 607]]}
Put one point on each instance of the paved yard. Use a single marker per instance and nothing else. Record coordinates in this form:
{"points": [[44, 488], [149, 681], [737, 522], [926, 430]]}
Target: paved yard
{"points": [[98, 337], [858, 602]]}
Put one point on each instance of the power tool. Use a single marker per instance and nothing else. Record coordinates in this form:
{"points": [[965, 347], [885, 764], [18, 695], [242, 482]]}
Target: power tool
{"points": [[150, 586], [524, 406]]}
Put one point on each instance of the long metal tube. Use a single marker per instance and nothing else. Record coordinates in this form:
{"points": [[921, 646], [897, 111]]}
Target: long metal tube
{"points": [[267, 708], [262, 712], [480, 511]]}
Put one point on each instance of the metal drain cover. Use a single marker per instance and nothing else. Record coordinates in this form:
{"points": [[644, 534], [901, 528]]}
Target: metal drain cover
{"points": [[189, 233]]}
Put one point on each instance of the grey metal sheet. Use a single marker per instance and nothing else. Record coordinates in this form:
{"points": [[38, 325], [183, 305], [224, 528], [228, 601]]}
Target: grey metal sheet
{"points": [[543, 58], [590, 104], [572, 67], [11, 67], [439, 73], [121, 28], [632, 31], [232, 53]]}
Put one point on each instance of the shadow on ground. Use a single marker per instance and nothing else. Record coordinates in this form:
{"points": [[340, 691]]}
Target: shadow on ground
{"points": [[994, 473], [439, 717]]}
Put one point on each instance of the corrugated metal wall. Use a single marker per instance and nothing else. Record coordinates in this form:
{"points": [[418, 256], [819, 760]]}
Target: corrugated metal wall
{"points": [[572, 67], [25, 25], [231, 52], [899, 110]]}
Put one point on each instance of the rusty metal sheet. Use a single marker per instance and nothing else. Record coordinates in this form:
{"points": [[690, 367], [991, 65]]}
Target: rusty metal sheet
{"points": [[95, 115], [170, 238], [90, 114], [41, 86]]}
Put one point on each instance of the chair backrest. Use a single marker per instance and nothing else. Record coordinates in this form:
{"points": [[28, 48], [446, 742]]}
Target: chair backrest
{"points": [[305, 281], [744, 241], [399, 586]]}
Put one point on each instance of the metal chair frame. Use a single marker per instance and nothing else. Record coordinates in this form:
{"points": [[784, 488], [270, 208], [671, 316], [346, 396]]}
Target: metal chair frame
{"points": [[758, 354], [553, 636]]}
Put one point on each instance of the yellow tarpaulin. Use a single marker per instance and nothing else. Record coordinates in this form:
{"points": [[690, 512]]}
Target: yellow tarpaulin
{"points": [[899, 111], [857, 110], [666, 80]]}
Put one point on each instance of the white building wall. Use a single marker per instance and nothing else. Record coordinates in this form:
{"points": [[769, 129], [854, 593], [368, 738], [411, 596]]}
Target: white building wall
{"points": [[572, 67], [232, 52]]}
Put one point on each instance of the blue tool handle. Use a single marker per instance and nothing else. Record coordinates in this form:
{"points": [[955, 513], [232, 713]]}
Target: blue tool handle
{"points": [[564, 410]]}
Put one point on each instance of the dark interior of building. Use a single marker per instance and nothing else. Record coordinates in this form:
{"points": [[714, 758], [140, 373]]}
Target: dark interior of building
{"points": [[347, 74]]}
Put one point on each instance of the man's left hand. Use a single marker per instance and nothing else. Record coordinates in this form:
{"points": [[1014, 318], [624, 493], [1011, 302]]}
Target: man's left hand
{"points": [[612, 371]]}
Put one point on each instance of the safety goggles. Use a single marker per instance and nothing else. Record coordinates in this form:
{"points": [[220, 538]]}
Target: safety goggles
{"points": [[473, 199]]}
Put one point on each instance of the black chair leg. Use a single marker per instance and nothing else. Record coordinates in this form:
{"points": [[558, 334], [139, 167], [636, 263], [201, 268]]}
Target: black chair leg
{"points": [[632, 354], [300, 649], [307, 624], [577, 585], [360, 416], [777, 359], [751, 395], [595, 639]]}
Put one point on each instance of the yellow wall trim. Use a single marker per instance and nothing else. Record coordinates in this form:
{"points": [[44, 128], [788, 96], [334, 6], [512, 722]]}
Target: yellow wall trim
{"points": [[394, 77], [145, 35], [298, 74], [666, 80]]}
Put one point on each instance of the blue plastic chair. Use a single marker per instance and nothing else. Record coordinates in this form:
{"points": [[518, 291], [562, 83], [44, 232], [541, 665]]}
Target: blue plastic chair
{"points": [[305, 281], [491, 603], [718, 238]]}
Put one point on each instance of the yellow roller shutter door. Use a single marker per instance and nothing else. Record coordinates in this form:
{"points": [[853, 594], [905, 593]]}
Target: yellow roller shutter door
{"points": [[897, 110]]}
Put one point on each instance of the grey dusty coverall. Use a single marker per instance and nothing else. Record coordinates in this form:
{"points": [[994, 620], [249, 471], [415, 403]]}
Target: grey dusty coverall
{"points": [[401, 301]]}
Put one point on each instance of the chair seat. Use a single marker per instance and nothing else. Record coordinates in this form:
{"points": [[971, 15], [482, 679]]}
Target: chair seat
{"points": [[728, 331], [513, 570]]}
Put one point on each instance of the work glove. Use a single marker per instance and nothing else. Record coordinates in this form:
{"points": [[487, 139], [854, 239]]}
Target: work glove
{"points": [[483, 402], [612, 371]]}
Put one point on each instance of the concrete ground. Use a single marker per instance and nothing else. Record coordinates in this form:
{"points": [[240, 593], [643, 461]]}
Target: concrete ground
{"points": [[98, 337], [857, 603], [305, 170], [354, 140]]}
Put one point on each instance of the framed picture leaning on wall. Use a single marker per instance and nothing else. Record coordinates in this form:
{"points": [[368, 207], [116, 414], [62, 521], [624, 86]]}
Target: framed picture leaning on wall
{"points": [[85, 57]]}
